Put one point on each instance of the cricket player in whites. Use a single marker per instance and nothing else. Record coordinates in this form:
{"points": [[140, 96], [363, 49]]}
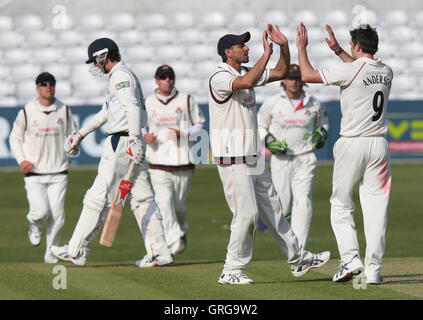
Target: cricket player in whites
{"points": [[236, 149], [172, 117], [293, 124], [124, 113], [36, 140], [361, 153]]}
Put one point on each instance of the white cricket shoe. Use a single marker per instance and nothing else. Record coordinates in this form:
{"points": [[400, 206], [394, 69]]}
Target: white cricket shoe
{"points": [[318, 260], [179, 246], [348, 270], [63, 254], [34, 234], [50, 259], [375, 280], [157, 261], [234, 277]]}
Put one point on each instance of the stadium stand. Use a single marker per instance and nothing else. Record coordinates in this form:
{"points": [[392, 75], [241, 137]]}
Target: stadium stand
{"points": [[185, 37]]}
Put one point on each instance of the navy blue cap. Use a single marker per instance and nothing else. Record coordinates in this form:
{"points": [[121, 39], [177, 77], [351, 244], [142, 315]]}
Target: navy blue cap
{"points": [[98, 45], [229, 40], [45, 77], [163, 71]]}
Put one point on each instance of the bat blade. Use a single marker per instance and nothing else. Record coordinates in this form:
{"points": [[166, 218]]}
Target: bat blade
{"points": [[115, 213]]}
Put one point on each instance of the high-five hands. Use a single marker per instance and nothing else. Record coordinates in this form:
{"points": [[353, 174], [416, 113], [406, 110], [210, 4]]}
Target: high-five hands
{"points": [[332, 42], [302, 36], [276, 35]]}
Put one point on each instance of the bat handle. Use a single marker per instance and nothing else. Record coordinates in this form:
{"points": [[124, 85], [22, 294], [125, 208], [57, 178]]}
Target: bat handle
{"points": [[130, 171]]}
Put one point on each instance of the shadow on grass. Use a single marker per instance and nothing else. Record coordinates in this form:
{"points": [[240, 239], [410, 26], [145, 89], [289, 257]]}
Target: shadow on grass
{"points": [[294, 280], [174, 265], [403, 281]]}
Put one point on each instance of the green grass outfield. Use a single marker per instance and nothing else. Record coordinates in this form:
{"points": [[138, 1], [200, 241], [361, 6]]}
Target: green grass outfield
{"points": [[111, 274]]}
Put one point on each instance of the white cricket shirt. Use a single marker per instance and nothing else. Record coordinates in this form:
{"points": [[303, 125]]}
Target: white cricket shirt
{"points": [[180, 112], [38, 136], [233, 116], [124, 108], [365, 87], [293, 123]]}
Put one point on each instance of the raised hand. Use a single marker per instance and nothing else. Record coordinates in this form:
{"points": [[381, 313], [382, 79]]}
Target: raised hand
{"points": [[332, 42], [302, 36], [276, 35], [268, 48]]}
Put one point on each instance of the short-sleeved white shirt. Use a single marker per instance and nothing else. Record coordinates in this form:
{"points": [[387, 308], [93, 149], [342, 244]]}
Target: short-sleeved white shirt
{"points": [[233, 114], [293, 124], [365, 86]]}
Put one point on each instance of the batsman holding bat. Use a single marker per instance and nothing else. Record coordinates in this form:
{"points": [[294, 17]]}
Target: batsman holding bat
{"points": [[125, 115]]}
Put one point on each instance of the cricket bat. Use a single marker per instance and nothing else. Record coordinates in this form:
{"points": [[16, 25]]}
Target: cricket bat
{"points": [[115, 213]]}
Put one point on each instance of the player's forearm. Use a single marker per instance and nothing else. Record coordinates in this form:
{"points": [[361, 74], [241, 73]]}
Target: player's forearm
{"points": [[308, 73], [16, 142], [343, 55], [17, 149], [96, 122], [250, 79], [282, 67], [134, 121]]}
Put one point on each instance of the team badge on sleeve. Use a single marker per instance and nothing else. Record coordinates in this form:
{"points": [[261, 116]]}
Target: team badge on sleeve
{"points": [[124, 84]]}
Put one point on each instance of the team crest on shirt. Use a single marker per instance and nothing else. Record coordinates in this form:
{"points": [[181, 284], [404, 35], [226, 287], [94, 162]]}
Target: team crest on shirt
{"points": [[308, 113], [60, 121], [178, 110]]}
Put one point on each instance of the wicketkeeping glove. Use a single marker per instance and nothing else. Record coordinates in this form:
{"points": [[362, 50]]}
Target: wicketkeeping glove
{"points": [[275, 147], [135, 151], [319, 137], [72, 143]]}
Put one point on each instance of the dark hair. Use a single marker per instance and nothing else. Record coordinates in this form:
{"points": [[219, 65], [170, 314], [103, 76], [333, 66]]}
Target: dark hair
{"points": [[367, 37], [114, 55]]}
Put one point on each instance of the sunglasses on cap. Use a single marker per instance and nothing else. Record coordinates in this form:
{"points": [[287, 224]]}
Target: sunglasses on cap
{"points": [[46, 83], [165, 76]]}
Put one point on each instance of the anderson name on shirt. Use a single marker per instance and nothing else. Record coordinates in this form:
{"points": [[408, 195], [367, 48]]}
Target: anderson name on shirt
{"points": [[376, 79]]}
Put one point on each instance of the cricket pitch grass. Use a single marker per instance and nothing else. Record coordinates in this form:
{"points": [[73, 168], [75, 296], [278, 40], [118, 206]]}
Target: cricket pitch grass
{"points": [[111, 274]]}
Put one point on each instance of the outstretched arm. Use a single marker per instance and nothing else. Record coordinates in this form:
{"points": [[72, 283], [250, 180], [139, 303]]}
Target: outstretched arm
{"points": [[308, 73], [335, 47], [250, 79]]}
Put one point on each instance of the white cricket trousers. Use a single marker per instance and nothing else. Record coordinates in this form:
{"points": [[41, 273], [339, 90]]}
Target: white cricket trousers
{"points": [[363, 161], [112, 168], [46, 198], [249, 196], [293, 178], [171, 191]]}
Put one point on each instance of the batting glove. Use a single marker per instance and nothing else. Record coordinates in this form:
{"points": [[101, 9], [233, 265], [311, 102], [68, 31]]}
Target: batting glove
{"points": [[135, 151], [275, 147], [72, 143], [318, 138]]}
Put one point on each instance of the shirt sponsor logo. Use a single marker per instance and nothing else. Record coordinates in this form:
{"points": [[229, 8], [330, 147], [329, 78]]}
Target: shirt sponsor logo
{"points": [[124, 84]]}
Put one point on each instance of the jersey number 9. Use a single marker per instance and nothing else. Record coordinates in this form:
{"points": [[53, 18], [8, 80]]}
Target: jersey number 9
{"points": [[377, 105]]}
